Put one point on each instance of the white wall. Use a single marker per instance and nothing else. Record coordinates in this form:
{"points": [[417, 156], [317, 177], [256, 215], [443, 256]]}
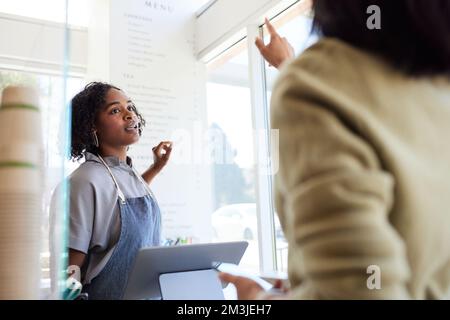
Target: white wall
{"points": [[98, 49], [37, 45]]}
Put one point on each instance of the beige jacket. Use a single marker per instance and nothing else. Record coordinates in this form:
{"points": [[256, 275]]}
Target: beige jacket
{"points": [[364, 176]]}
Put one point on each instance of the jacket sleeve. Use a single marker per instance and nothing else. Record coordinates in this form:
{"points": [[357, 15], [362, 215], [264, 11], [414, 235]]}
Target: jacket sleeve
{"points": [[81, 215], [334, 199]]}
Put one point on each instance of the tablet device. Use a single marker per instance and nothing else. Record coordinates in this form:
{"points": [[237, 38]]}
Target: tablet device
{"points": [[191, 285], [150, 263]]}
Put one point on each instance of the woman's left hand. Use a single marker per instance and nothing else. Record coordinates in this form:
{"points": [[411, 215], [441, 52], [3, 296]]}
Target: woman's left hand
{"points": [[247, 289], [161, 154]]}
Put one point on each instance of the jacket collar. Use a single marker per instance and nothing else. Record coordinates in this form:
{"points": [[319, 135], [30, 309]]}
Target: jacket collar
{"points": [[111, 161]]}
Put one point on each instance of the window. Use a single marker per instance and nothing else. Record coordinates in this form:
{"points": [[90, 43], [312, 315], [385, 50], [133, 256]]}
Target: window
{"points": [[230, 124], [238, 96], [295, 25]]}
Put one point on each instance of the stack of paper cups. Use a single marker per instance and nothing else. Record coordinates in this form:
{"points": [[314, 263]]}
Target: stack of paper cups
{"points": [[20, 193]]}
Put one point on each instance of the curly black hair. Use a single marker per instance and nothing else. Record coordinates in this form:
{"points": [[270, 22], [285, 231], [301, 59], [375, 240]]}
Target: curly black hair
{"points": [[85, 107]]}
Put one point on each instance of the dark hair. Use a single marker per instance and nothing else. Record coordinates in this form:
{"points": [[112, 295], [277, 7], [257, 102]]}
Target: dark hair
{"points": [[85, 107], [414, 34]]}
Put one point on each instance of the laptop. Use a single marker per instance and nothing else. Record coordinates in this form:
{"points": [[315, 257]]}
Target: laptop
{"points": [[168, 272]]}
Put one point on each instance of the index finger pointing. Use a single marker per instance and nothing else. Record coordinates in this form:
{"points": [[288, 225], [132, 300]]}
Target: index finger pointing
{"points": [[271, 28], [259, 44]]}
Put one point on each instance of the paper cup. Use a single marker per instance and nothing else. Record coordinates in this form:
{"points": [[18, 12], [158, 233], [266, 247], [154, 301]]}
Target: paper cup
{"points": [[19, 178], [20, 95], [20, 125], [21, 189], [19, 250], [20, 118], [22, 154]]}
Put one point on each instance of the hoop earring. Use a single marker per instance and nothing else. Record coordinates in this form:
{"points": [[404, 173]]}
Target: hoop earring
{"points": [[94, 135]]}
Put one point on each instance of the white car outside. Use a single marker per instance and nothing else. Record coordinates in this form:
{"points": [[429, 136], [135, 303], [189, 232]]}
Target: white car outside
{"points": [[238, 221]]}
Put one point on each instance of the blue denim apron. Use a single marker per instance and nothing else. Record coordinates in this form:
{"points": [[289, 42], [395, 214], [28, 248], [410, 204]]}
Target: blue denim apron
{"points": [[140, 227]]}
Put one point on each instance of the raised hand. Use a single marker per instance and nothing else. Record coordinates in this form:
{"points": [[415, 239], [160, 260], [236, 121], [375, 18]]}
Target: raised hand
{"points": [[161, 154], [278, 50]]}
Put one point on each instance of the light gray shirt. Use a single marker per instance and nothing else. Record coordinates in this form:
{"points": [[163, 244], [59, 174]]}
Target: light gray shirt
{"points": [[94, 209]]}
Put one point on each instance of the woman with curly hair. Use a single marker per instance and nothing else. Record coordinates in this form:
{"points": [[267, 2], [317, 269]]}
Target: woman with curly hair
{"points": [[113, 212]]}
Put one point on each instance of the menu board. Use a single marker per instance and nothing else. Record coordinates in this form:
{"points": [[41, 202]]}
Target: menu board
{"points": [[152, 58]]}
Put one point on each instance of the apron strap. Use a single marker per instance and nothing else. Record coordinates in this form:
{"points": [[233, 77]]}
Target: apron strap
{"points": [[150, 192], [146, 186], [121, 195]]}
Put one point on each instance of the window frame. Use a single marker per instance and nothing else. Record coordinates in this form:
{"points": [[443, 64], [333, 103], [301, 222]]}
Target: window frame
{"points": [[220, 42]]}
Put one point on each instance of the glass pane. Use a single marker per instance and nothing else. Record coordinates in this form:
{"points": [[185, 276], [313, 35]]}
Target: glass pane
{"points": [[295, 24], [34, 108], [50, 91], [231, 135]]}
